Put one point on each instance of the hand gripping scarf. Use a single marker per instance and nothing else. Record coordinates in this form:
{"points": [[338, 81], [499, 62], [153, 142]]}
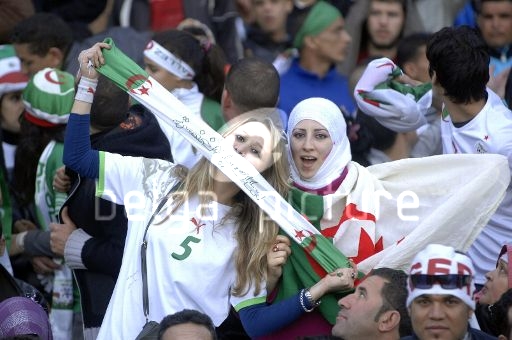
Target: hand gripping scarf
{"points": [[399, 107]]}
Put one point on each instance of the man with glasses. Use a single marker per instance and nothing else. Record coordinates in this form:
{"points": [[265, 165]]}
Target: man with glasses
{"points": [[376, 310], [440, 297]]}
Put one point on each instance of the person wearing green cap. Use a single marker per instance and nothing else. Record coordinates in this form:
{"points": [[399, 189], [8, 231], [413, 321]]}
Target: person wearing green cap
{"points": [[320, 36], [12, 82], [48, 98]]}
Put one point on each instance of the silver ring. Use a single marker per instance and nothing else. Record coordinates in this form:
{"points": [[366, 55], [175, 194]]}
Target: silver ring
{"points": [[353, 275]]}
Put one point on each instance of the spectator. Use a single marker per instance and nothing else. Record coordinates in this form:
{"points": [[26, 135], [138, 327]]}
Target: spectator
{"points": [[20, 316], [42, 40], [320, 36], [48, 98], [94, 249], [376, 27], [475, 120], [376, 310], [412, 59], [336, 195], [251, 83], [187, 324], [440, 301], [501, 316], [267, 37], [496, 284], [187, 69], [494, 19]]}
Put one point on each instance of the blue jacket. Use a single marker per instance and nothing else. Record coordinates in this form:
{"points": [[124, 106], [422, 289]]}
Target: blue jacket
{"points": [[298, 84]]}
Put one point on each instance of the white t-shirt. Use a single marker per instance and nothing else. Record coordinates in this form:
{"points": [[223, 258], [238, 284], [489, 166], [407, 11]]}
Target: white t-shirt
{"points": [[190, 258], [489, 132]]}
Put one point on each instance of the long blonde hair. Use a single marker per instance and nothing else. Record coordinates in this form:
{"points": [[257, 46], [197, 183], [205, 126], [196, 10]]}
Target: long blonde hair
{"points": [[256, 230]]}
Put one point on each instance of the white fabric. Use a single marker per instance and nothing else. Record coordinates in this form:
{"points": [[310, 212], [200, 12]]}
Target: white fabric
{"points": [[365, 220], [329, 115], [201, 280], [182, 151], [490, 132], [437, 259], [394, 110], [163, 57]]}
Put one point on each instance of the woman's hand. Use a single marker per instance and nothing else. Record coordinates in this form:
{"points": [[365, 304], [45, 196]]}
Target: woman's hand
{"points": [[90, 59], [339, 280], [276, 259]]}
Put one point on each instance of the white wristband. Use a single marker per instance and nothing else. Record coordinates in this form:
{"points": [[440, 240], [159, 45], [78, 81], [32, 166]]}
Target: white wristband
{"points": [[86, 89]]}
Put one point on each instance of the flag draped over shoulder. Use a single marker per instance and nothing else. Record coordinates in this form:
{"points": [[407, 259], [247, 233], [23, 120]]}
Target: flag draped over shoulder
{"points": [[381, 216], [147, 91]]}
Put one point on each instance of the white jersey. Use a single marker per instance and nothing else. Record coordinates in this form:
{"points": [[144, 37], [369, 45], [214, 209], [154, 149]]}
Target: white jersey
{"points": [[190, 257], [489, 132]]}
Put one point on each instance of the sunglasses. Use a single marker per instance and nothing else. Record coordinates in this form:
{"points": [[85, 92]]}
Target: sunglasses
{"points": [[451, 281]]}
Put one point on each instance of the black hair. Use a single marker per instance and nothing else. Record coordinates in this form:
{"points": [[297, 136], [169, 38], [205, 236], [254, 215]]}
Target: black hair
{"points": [[460, 60], [408, 47], [187, 316], [41, 32], [207, 60], [110, 105], [498, 312], [253, 83], [31, 144], [394, 296], [368, 134]]}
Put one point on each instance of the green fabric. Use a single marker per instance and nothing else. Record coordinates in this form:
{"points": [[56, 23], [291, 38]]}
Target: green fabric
{"points": [[417, 91], [46, 169], [120, 68], [211, 113], [320, 16], [298, 272]]}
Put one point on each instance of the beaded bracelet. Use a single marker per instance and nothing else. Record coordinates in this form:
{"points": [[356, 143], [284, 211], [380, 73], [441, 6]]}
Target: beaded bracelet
{"points": [[306, 294]]}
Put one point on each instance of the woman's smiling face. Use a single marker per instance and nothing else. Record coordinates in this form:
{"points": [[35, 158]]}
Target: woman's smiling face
{"points": [[310, 144], [254, 142]]}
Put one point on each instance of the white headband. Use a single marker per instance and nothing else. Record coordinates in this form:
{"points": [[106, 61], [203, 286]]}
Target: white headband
{"points": [[169, 61]]}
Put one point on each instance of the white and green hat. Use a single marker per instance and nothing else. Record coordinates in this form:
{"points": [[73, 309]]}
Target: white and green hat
{"points": [[11, 78], [49, 97]]}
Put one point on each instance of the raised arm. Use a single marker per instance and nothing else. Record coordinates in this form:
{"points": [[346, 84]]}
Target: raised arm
{"points": [[78, 154]]}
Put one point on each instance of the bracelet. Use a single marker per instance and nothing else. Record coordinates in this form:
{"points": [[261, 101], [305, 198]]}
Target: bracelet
{"points": [[86, 89], [306, 294]]}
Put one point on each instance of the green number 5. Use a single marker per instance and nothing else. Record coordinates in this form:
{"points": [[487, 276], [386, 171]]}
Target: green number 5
{"points": [[185, 245]]}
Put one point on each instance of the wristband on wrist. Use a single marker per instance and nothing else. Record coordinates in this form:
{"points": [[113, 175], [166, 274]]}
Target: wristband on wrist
{"points": [[86, 89]]}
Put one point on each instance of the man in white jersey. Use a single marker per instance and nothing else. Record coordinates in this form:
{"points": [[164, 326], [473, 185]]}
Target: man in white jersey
{"points": [[474, 120]]}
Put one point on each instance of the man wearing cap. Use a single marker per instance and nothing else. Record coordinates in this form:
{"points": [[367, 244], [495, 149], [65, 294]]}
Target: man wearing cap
{"points": [[440, 300], [376, 310], [322, 42]]}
